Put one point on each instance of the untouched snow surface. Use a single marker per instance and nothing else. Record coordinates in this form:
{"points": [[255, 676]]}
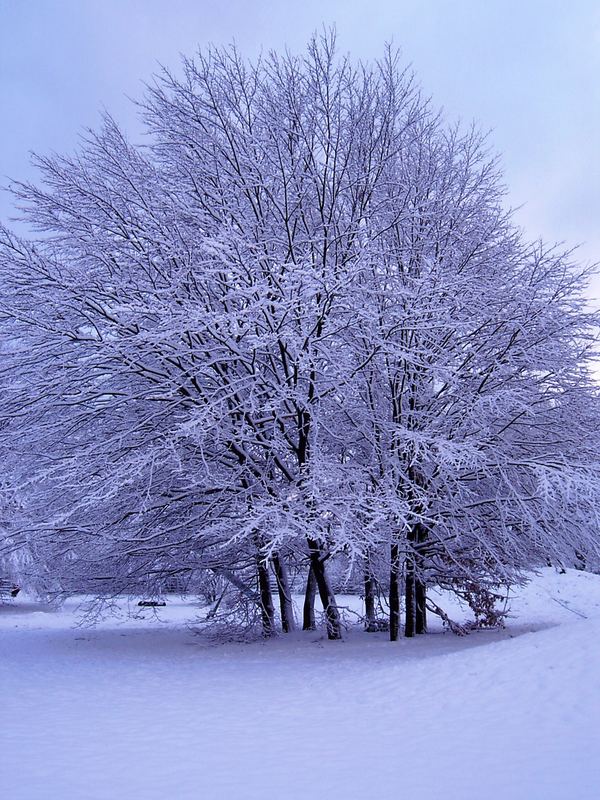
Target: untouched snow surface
{"points": [[142, 709]]}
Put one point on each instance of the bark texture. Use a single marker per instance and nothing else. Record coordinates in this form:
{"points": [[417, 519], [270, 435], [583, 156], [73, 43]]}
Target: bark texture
{"points": [[394, 592], [308, 612], [332, 615], [285, 594], [267, 610]]}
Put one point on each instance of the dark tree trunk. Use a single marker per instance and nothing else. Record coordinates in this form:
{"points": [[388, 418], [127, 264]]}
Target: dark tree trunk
{"points": [[334, 627], [420, 586], [420, 607], [285, 595], [416, 589], [410, 598], [394, 592], [267, 611], [370, 616], [308, 615]]}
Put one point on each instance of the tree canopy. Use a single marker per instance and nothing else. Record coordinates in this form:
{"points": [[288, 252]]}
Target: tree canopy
{"points": [[296, 323]]}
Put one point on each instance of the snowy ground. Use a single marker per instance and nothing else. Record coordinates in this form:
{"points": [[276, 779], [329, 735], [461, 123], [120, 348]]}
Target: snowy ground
{"points": [[138, 709]]}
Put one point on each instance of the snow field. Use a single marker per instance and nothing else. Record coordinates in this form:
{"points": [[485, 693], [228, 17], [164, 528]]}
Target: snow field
{"points": [[144, 708]]}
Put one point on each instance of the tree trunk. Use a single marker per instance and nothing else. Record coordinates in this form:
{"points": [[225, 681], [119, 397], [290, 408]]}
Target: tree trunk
{"points": [[394, 592], [420, 607], [308, 615], [267, 611], [410, 598], [370, 617], [420, 586], [285, 595], [334, 628]]}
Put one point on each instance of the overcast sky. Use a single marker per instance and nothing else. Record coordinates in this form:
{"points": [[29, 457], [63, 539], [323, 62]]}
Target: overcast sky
{"points": [[529, 70]]}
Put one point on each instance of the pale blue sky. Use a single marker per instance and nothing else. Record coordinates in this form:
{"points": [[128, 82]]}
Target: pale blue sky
{"points": [[528, 69]]}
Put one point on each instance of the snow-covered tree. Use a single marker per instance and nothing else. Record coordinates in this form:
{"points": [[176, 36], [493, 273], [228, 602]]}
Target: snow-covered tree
{"points": [[296, 322]]}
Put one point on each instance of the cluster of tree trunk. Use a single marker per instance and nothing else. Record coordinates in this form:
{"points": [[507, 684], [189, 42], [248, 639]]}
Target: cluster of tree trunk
{"points": [[317, 582]]}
